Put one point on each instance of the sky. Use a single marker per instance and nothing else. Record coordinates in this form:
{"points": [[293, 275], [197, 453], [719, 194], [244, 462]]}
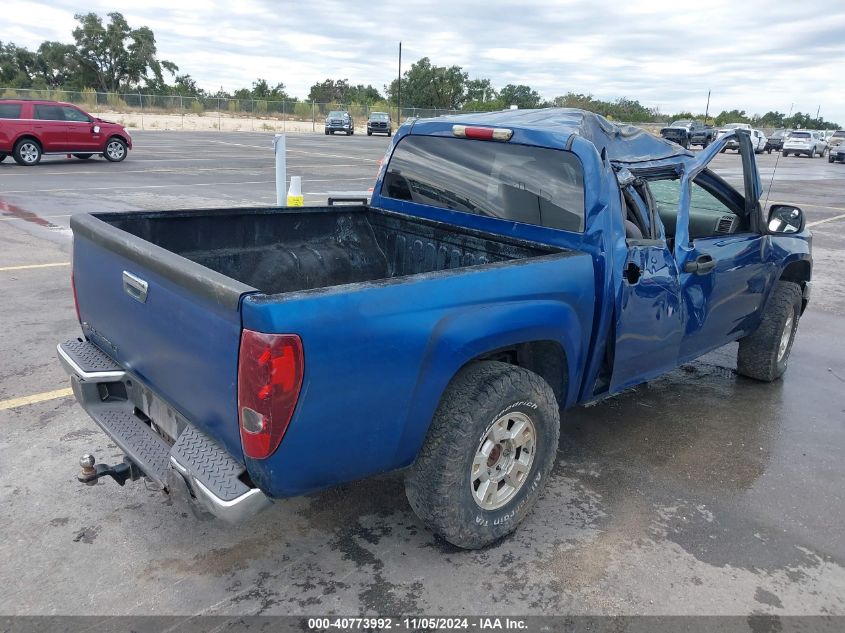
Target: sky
{"points": [[754, 55]]}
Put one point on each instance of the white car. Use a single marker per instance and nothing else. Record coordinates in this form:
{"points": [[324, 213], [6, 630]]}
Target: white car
{"points": [[806, 142], [734, 144], [758, 140]]}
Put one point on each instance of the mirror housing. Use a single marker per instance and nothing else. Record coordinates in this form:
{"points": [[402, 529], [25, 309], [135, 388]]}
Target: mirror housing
{"points": [[785, 219]]}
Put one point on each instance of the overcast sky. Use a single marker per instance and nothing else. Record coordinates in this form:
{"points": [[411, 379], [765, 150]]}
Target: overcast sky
{"points": [[755, 55]]}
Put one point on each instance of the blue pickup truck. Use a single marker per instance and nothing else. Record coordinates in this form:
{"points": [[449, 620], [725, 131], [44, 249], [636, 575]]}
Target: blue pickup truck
{"points": [[509, 266]]}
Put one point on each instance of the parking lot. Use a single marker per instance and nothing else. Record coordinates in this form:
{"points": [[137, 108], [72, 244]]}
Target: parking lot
{"points": [[701, 492]]}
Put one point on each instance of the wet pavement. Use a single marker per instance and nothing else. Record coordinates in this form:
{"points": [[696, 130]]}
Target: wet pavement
{"points": [[699, 493]]}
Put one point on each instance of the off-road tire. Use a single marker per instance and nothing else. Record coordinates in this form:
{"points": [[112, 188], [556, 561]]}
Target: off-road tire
{"points": [[758, 352], [439, 485]]}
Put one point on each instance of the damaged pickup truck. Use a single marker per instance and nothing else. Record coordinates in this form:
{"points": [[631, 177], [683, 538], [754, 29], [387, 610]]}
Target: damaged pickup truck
{"points": [[509, 266]]}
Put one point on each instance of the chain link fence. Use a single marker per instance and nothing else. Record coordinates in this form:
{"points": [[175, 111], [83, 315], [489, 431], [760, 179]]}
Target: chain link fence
{"points": [[150, 111]]}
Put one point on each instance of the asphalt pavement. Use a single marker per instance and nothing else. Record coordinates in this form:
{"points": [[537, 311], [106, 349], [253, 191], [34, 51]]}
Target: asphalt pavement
{"points": [[698, 493]]}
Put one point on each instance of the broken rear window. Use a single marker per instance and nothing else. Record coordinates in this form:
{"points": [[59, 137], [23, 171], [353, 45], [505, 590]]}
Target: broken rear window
{"points": [[521, 183]]}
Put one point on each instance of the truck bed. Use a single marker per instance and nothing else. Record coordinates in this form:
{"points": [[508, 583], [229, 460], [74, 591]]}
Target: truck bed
{"points": [[208, 274], [277, 251]]}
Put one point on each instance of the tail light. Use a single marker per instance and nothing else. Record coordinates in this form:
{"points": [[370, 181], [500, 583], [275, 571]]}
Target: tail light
{"points": [[270, 369]]}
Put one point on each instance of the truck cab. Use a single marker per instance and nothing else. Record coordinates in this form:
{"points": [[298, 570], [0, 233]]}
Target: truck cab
{"points": [[509, 266]]}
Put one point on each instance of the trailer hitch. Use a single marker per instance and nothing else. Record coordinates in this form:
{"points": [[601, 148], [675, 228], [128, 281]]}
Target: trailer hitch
{"points": [[91, 471]]}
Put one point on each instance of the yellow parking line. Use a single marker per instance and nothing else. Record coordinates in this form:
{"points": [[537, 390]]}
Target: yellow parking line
{"points": [[34, 398], [29, 266]]}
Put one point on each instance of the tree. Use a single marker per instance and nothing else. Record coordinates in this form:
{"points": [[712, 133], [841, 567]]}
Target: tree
{"points": [[427, 86], [480, 90], [519, 95], [362, 94], [115, 56], [17, 66], [731, 116], [329, 91], [57, 65], [186, 86]]}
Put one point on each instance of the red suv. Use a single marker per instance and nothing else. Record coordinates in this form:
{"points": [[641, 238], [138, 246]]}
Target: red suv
{"points": [[30, 129]]}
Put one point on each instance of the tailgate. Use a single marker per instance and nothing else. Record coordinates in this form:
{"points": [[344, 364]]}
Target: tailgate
{"points": [[173, 323]]}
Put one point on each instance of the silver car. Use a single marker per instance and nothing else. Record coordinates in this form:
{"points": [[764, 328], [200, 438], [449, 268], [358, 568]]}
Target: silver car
{"points": [[807, 142]]}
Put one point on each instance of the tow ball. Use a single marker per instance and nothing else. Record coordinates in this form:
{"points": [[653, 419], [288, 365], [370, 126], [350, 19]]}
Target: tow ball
{"points": [[91, 471]]}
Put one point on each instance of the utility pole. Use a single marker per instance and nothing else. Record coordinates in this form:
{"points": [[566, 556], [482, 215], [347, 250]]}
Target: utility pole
{"points": [[819, 109], [399, 90], [707, 109]]}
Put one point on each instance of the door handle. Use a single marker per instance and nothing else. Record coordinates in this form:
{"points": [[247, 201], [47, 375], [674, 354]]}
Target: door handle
{"points": [[702, 265]]}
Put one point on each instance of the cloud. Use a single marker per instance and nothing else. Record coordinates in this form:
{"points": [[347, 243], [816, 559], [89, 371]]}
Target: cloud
{"points": [[755, 56]]}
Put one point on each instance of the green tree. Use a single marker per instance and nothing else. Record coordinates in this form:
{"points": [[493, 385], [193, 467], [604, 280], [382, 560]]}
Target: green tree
{"points": [[519, 95], [114, 56], [17, 66], [329, 91], [732, 116], [362, 94], [427, 86], [57, 65], [262, 90], [480, 91]]}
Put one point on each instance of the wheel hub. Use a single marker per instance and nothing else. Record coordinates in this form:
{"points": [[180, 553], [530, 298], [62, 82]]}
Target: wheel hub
{"points": [[503, 460]]}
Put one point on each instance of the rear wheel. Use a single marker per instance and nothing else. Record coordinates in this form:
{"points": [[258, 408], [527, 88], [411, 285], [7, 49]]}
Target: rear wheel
{"points": [[83, 156], [3, 157], [27, 152], [785, 153], [829, 158], [489, 450], [763, 354], [115, 150]]}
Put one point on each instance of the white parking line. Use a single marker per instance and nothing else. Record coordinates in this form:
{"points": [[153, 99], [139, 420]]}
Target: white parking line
{"points": [[817, 222], [301, 151]]}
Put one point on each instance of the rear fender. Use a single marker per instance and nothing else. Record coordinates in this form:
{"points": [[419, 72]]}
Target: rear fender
{"points": [[462, 338]]}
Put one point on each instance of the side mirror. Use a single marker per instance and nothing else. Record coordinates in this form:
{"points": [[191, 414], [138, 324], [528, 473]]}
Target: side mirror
{"points": [[784, 218]]}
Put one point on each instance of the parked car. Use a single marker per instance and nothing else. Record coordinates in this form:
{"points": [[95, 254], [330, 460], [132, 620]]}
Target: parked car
{"points": [[702, 135], [775, 141], [836, 153], [340, 121], [510, 265], [688, 132], [836, 139], [727, 130], [758, 140], [379, 123], [30, 129], [804, 142]]}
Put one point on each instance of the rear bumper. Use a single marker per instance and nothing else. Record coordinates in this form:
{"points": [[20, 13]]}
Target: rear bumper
{"points": [[192, 469]]}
